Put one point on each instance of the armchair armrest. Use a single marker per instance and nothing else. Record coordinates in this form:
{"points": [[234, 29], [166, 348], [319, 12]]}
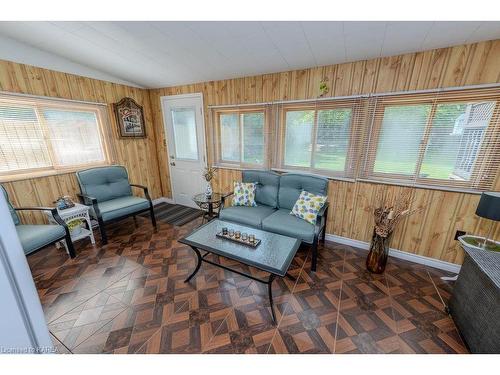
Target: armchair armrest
{"points": [[90, 201], [36, 209], [52, 210], [87, 199], [146, 191]]}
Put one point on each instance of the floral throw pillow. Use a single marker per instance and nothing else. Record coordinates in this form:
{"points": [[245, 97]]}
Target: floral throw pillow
{"points": [[244, 194], [307, 206]]}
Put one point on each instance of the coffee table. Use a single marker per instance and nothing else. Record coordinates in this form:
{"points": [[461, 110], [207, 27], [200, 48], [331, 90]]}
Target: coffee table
{"points": [[274, 254]]}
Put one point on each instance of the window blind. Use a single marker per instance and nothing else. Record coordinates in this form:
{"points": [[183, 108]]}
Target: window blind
{"points": [[320, 137], [44, 134], [448, 139]]}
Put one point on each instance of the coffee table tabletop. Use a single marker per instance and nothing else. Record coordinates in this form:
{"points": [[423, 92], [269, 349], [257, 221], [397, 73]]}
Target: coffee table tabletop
{"points": [[274, 254]]}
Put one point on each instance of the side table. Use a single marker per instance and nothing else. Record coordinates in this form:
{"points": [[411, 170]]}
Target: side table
{"points": [[78, 212], [208, 205]]}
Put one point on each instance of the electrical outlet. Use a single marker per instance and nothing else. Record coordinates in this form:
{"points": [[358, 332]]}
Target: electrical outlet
{"points": [[459, 233]]}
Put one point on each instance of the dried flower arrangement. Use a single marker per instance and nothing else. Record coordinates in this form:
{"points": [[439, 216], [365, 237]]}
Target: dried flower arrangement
{"points": [[387, 217], [209, 173]]}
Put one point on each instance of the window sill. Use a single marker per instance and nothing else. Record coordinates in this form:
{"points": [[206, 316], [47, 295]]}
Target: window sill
{"points": [[313, 173], [46, 173], [420, 186], [365, 180]]}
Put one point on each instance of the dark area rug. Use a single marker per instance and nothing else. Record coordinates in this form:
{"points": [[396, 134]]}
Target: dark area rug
{"points": [[174, 214]]}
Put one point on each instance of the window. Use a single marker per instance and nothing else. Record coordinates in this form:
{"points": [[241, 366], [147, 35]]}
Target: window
{"points": [[241, 137], [447, 139], [39, 135], [444, 140], [185, 138], [318, 138]]}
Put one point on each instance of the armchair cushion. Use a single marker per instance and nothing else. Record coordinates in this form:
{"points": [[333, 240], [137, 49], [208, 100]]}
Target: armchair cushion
{"points": [[282, 222], [105, 183], [118, 207], [13, 213], [251, 216], [34, 237], [292, 184], [268, 183]]}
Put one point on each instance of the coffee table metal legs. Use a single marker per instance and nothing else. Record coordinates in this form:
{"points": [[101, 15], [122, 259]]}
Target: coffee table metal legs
{"points": [[198, 265], [269, 281], [270, 291]]}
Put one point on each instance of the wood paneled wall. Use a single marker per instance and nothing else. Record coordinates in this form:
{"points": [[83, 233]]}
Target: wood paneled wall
{"points": [[138, 156], [429, 232]]}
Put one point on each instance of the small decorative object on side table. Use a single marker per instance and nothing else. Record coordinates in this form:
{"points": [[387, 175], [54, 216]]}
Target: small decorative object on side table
{"points": [[64, 202], [208, 205], [79, 213], [386, 219], [208, 175]]}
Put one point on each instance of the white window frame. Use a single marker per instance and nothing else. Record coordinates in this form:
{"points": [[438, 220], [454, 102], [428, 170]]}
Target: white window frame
{"points": [[36, 102]]}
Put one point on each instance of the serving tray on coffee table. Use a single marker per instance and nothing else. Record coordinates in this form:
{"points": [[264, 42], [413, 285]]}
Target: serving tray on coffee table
{"points": [[239, 240]]}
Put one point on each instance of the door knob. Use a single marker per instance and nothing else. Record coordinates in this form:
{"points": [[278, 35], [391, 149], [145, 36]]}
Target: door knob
{"points": [[172, 157], [172, 164]]}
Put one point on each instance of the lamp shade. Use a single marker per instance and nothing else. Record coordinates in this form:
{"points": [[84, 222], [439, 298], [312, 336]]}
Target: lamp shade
{"points": [[489, 206]]}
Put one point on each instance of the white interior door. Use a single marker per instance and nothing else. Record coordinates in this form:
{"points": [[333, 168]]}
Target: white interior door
{"points": [[185, 133]]}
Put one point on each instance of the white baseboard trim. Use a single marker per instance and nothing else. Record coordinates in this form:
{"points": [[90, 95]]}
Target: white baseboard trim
{"points": [[431, 262], [162, 200]]}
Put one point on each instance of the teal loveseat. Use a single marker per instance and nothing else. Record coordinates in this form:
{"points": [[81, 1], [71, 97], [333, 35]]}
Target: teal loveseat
{"points": [[275, 196], [108, 192], [34, 237]]}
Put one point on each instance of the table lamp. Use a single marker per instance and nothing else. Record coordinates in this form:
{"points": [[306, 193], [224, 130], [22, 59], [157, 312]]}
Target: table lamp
{"points": [[489, 208]]}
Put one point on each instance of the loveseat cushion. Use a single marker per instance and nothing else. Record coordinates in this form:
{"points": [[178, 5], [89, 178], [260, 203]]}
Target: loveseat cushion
{"points": [[105, 183], [292, 184], [123, 206], [282, 222], [34, 237], [267, 186], [251, 216]]}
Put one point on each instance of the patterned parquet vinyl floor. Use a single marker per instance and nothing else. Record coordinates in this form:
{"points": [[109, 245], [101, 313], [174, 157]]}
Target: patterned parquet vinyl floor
{"points": [[129, 297]]}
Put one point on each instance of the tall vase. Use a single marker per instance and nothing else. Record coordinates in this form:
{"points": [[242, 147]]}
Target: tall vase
{"points": [[208, 190], [379, 251]]}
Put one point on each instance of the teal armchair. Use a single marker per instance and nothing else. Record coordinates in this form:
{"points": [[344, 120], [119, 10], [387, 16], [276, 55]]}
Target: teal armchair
{"points": [[108, 192], [37, 236]]}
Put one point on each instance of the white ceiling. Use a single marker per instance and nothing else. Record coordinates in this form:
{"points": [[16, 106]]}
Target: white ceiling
{"points": [[160, 54]]}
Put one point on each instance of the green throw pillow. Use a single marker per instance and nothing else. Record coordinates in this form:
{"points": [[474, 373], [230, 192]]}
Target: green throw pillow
{"points": [[244, 194], [308, 206]]}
